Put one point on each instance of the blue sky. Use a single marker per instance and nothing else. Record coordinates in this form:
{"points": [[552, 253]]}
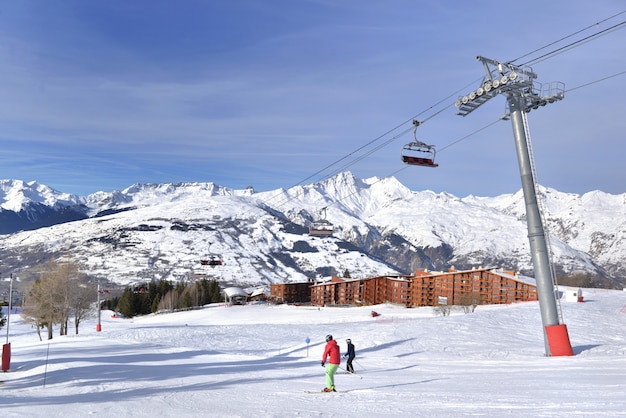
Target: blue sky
{"points": [[97, 96]]}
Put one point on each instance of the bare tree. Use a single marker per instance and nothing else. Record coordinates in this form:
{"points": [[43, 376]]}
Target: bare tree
{"points": [[443, 310], [60, 291], [41, 309], [469, 301], [82, 301]]}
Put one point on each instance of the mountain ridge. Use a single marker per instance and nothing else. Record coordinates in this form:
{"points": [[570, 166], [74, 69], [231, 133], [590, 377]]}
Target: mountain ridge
{"points": [[154, 231]]}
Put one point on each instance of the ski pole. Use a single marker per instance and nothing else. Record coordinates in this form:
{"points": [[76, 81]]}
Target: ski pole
{"points": [[363, 368], [353, 374]]}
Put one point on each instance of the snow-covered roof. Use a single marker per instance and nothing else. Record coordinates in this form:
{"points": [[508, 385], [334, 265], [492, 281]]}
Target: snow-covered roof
{"points": [[259, 291], [517, 277], [231, 292]]}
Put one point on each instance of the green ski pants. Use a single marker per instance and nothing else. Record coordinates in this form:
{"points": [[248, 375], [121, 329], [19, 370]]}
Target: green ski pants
{"points": [[330, 375]]}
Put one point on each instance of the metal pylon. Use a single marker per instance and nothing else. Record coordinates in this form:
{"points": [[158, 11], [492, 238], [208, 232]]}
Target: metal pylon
{"points": [[523, 95]]}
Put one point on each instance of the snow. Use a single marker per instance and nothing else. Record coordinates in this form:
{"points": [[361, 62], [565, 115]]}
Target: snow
{"points": [[254, 233], [253, 360], [15, 194]]}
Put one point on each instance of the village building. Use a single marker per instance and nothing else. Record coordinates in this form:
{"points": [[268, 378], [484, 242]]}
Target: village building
{"points": [[478, 286], [291, 292], [235, 296]]}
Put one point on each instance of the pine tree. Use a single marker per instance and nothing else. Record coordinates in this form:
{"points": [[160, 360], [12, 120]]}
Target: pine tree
{"points": [[3, 320], [126, 305], [155, 303], [215, 294]]}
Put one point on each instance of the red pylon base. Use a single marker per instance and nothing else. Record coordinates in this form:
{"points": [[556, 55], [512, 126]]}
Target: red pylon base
{"points": [[558, 340]]}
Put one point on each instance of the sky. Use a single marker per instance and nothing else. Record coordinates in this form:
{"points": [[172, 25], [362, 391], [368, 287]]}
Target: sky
{"points": [[254, 360], [97, 96]]}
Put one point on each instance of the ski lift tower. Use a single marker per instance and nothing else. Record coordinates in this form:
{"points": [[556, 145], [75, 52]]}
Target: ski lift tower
{"points": [[523, 94]]}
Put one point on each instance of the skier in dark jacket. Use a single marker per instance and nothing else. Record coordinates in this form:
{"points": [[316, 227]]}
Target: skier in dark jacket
{"points": [[331, 350], [351, 354]]}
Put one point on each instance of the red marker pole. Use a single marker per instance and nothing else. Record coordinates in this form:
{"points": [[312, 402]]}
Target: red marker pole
{"points": [[6, 348], [98, 325]]}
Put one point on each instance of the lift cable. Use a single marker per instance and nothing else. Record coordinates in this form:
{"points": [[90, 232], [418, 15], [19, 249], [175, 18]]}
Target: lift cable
{"points": [[596, 81], [446, 99], [485, 127], [575, 44], [543, 57], [287, 199], [538, 59], [387, 142], [566, 37], [378, 138]]}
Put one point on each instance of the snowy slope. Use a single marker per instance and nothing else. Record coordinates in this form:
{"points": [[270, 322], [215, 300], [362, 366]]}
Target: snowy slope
{"points": [[164, 230], [593, 223], [253, 360], [15, 195]]}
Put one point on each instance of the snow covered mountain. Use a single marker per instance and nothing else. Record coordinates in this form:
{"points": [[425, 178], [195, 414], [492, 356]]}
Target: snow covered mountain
{"points": [[32, 205], [164, 231]]}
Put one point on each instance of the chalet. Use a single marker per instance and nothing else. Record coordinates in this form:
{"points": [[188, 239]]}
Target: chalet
{"points": [[235, 296], [259, 294]]}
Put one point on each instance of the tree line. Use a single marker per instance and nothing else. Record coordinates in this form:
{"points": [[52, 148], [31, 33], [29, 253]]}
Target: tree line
{"points": [[164, 296], [62, 293]]}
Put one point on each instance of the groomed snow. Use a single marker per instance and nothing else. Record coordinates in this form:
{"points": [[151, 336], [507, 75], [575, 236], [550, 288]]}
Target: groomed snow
{"points": [[253, 361]]}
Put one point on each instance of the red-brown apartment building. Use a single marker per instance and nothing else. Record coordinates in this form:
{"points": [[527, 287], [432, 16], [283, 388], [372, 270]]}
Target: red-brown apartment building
{"points": [[425, 288]]}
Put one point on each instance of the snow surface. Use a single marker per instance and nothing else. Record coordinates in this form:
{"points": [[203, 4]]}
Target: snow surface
{"points": [[253, 360], [248, 231], [15, 194]]}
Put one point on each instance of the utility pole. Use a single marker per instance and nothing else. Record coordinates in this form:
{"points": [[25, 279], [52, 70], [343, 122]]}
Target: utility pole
{"points": [[523, 94], [6, 348], [98, 325]]}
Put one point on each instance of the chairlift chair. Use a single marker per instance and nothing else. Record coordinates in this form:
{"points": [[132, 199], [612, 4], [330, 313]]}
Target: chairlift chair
{"points": [[212, 260], [418, 153], [321, 227]]}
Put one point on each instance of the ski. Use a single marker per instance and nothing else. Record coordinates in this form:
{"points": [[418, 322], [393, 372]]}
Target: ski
{"points": [[321, 391]]}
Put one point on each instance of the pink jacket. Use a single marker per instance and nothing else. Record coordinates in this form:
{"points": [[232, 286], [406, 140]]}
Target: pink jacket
{"points": [[332, 350]]}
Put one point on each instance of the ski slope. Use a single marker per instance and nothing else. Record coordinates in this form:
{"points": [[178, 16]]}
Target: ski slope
{"points": [[253, 360]]}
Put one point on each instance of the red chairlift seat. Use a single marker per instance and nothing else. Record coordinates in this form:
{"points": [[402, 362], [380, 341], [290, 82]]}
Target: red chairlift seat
{"points": [[213, 261], [425, 162], [419, 154]]}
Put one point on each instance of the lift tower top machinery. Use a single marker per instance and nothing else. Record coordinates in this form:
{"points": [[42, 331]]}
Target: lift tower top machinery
{"points": [[524, 94]]}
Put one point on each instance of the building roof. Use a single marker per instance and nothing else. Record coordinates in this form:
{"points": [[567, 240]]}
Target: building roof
{"points": [[235, 291], [516, 277]]}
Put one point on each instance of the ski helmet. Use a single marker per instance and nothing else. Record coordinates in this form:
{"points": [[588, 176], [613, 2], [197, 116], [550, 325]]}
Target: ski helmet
{"points": [[329, 337], [348, 340]]}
